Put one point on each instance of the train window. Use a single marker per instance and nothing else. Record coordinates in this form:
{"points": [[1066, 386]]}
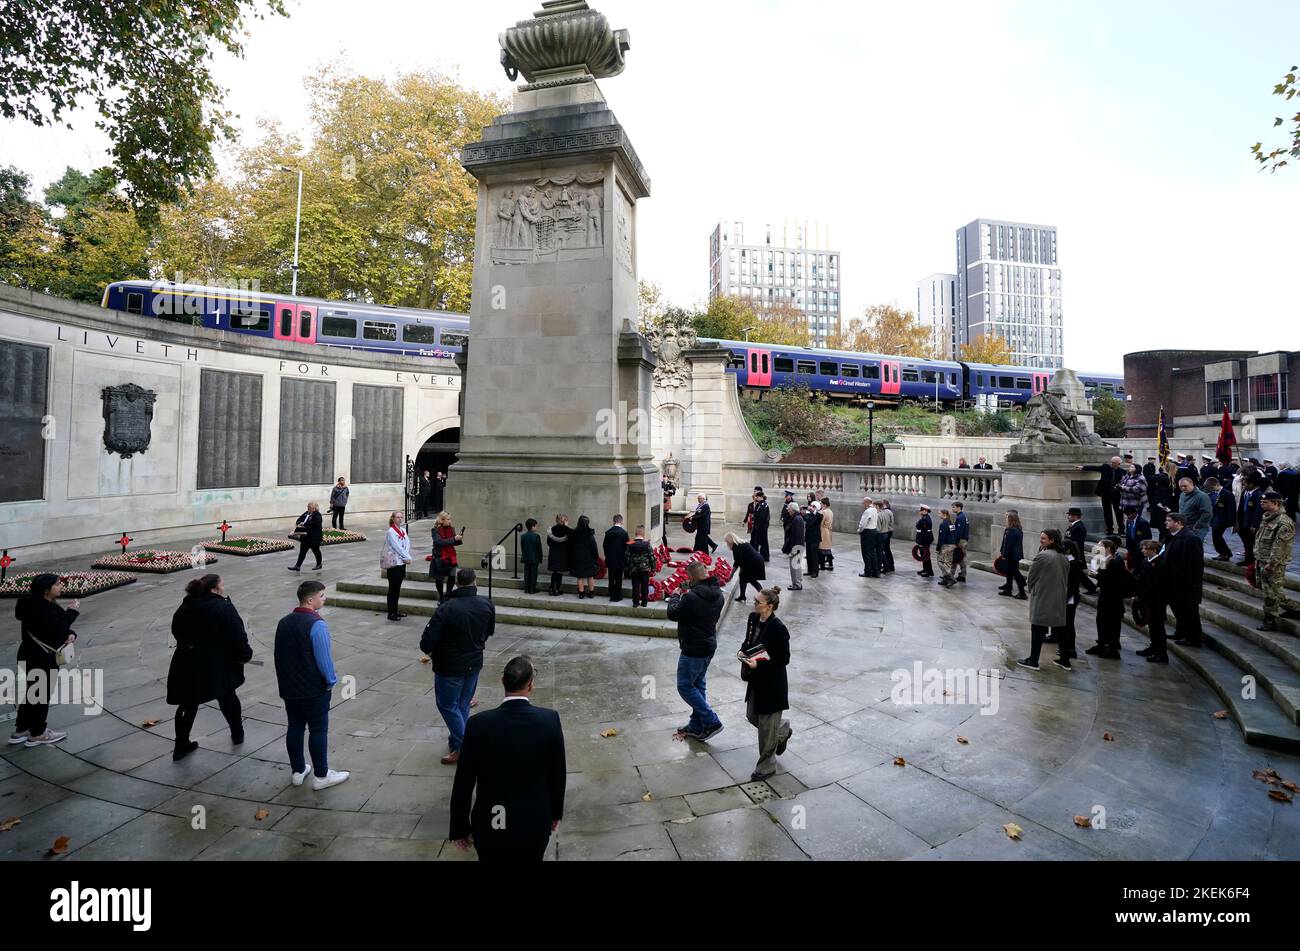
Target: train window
{"points": [[135, 304], [911, 376], [450, 339], [338, 327], [304, 323], [783, 364], [420, 333], [851, 370], [807, 366], [1022, 383], [1006, 382], [246, 319], [952, 378], [286, 322], [753, 363], [830, 369], [765, 363], [871, 371], [374, 330], [979, 379]]}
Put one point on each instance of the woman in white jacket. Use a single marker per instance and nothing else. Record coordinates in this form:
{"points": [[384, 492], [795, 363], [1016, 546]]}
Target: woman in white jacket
{"points": [[395, 558]]}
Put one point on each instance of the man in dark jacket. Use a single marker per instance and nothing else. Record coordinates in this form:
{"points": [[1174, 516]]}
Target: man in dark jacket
{"points": [[1223, 504], [44, 629], [696, 613], [1107, 490], [785, 508], [513, 767], [961, 529], [438, 492], [1249, 515], [423, 495], [1076, 531], [454, 642], [312, 529], [339, 496], [1287, 485], [762, 519], [1152, 584], [615, 547], [1184, 556], [1136, 531], [1209, 469], [703, 521]]}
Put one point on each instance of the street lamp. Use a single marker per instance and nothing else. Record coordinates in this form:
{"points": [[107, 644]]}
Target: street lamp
{"points": [[871, 432], [746, 331], [297, 229]]}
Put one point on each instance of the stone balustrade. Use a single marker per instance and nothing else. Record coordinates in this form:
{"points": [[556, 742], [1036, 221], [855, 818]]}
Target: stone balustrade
{"points": [[936, 484]]}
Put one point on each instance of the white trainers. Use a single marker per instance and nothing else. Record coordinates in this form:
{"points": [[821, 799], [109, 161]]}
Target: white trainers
{"points": [[332, 778], [19, 738], [49, 736], [300, 778]]}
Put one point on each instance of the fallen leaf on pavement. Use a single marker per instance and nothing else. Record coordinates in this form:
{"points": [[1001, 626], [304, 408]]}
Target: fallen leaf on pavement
{"points": [[899, 761], [1108, 738], [1291, 786], [149, 724], [1278, 796], [425, 660], [608, 733], [9, 824], [963, 741], [1221, 715], [1012, 830], [647, 798], [60, 846], [1083, 822], [261, 814]]}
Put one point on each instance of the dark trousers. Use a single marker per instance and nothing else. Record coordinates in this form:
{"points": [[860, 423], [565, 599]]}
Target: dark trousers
{"points": [[306, 546], [1014, 578], [745, 582], [640, 589], [616, 584], [883, 554], [1109, 620], [1220, 543], [1248, 542], [1187, 620], [1066, 636], [1037, 634], [230, 709], [530, 578], [813, 559], [32, 716], [704, 543], [445, 585], [396, 575], [759, 541], [557, 582], [870, 552], [308, 716], [889, 551], [1108, 514], [336, 519], [1156, 628], [927, 565]]}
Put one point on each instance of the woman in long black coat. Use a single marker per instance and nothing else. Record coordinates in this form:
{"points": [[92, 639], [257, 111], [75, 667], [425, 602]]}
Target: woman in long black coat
{"points": [[211, 651], [924, 539], [45, 629], [557, 553], [749, 562], [767, 693], [583, 555], [1012, 553], [813, 538], [1114, 584]]}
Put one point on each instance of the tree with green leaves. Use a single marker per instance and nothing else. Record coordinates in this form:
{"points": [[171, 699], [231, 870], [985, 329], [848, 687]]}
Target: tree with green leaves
{"points": [[884, 329], [987, 348], [735, 318], [97, 238], [1277, 157], [26, 236], [1110, 419], [144, 65]]}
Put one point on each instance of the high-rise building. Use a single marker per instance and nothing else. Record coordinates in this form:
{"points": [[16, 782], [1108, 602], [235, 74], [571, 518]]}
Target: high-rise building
{"points": [[1009, 284], [936, 309], [780, 265]]}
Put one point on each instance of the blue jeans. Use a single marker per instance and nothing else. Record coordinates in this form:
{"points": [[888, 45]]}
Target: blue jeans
{"points": [[691, 686], [453, 695], [313, 715]]}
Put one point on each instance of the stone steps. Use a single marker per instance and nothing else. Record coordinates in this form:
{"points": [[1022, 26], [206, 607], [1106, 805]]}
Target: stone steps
{"points": [[516, 598], [1234, 650], [1231, 569], [523, 617]]}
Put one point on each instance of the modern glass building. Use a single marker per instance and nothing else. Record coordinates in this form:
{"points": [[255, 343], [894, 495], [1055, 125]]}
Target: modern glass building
{"points": [[936, 309]]}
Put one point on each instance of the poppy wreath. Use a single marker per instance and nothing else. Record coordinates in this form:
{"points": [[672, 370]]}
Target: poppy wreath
{"points": [[602, 570], [916, 553], [1000, 565]]}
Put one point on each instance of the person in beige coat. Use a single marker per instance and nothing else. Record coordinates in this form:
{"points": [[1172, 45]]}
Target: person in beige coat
{"points": [[1049, 583], [828, 519]]}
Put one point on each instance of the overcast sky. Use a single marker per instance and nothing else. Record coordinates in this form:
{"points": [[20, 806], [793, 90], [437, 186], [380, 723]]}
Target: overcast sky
{"points": [[1125, 124]]}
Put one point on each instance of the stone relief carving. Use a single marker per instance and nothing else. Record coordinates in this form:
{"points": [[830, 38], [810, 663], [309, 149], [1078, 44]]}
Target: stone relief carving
{"points": [[669, 340], [1050, 421], [128, 418], [624, 232], [538, 220]]}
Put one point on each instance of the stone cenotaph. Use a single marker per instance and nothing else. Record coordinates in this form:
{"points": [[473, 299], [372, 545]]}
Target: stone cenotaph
{"points": [[556, 399]]}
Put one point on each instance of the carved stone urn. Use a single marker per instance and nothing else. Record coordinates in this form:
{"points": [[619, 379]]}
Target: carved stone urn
{"points": [[565, 41]]}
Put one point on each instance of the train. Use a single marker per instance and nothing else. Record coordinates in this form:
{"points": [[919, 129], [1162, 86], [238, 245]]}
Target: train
{"points": [[858, 377], [757, 367], [405, 331]]}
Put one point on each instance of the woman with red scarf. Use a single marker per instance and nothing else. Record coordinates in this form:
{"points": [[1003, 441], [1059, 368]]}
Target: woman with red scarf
{"points": [[443, 567], [396, 556]]}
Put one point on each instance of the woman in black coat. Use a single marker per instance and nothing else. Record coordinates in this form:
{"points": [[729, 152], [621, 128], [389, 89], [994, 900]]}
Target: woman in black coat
{"points": [[924, 540], [557, 553], [584, 553], [749, 562], [766, 687], [1012, 553], [45, 629], [1114, 584], [1075, 581], [211, 651], [813, 538]]}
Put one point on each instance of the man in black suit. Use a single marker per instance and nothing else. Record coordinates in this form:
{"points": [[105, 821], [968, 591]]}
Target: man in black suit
{"points": [[762, 519], [1152, 585], [312, 527], [1077, 532], [513, 766], [1136, 531], [1208, 468], [703, 519], [1184, 556], [439, 492], [982, 464], [615, 546], [1107, 490]]}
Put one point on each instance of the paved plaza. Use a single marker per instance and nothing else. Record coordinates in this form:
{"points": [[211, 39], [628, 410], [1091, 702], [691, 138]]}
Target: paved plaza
{"points": [[1174, 782]]}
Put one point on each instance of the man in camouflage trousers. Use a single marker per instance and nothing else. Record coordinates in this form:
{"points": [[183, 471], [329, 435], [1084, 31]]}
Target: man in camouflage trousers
{"points": [[1273, 549]]}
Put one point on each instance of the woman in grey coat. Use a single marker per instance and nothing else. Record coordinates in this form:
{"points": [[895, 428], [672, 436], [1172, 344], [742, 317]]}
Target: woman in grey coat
{"points": [[1049, 582]]}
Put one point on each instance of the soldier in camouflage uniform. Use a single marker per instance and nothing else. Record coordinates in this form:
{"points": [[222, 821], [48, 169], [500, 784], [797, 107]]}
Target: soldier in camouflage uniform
{"points": [[1273, 547]]}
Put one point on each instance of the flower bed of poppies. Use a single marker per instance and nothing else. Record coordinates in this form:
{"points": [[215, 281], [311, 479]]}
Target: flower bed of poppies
{"points": [[78, 584], [664, 588], [247, 547], [333, 536], [155, 562]]}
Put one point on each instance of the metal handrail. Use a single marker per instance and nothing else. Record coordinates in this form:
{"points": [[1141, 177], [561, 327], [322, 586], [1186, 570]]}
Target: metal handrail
{"points": [[487, 559]]}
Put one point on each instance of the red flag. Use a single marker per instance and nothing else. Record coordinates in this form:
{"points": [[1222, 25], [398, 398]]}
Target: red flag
{"points": [[1227, 438]]}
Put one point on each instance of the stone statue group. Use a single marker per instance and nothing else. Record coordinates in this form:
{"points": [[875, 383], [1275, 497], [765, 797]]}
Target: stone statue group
{"points": [[529, 220]]}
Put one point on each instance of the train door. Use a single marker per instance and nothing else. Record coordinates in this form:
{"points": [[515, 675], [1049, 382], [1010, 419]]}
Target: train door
{"points": [[296, 322], [760, 368], [890, 377], [1040, 382]]}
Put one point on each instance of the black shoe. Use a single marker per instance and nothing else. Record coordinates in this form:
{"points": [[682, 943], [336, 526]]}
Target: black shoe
{"points": [[236, 739], [1268, 625], [1027, 663], [962, 579], [1063, 663], [710, 731], [295, 569], [317, 568], [1095, 650], [183, 750], [864, 575], [1109, 655], [757, 777], [780, 747], [796, 587], [1004, 592], [1146, 652], [1022, 596], [1181, 642], [396, 617], [1157, 658], [1051, 639], [739, 600]]}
